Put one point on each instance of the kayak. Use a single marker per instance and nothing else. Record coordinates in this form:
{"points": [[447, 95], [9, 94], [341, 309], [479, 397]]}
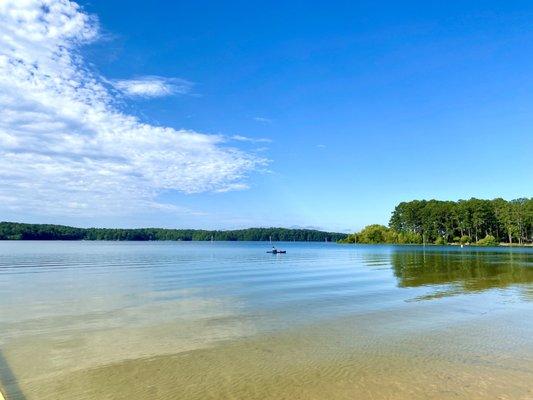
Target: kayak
{"points": [[277, 251]]}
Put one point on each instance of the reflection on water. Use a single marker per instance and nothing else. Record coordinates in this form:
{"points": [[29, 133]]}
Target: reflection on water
{"points": [[226, 320], [453, 273]]}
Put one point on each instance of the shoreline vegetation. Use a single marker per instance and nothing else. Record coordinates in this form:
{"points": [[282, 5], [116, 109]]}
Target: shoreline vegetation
{"points": [[21, 231], [430, 222], [464, 222]]}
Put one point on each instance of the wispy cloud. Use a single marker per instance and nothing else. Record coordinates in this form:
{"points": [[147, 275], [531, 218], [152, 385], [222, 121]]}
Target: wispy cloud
{"points": [[240, 138], [153, 86], [65, 148], [263, 120], [233, 186]]}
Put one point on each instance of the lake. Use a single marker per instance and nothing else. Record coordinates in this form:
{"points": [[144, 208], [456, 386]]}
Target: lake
{"points": [[189, 320]]}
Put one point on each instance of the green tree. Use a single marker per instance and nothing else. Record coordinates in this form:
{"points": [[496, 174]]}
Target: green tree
{"points": [[488, 240]]}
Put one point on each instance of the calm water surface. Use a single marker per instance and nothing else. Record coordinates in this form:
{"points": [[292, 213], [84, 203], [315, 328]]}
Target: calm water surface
{"points": [[161, 320]]}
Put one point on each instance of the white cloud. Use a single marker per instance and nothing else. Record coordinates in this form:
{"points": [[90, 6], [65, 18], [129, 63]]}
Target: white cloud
{"points": [[153, 86], [240, 138], [64, 147], [234, 186]]}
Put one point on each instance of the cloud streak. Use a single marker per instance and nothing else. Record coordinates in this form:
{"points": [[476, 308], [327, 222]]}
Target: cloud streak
{"points": [[240, 138], [263, 120], [66, 149], [153, 86]]}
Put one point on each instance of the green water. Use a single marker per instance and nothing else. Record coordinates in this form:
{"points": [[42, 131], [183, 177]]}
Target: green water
{"points": [[107, 320]]}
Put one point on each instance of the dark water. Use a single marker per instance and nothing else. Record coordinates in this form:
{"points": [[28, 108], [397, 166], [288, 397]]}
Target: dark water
{"points": [[106, 320]]}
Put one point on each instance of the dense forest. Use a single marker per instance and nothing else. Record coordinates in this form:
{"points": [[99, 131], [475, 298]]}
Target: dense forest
{"points": [[483, 222], [18, 231]]}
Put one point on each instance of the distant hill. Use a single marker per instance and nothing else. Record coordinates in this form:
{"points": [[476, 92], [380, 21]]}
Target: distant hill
{"points": [[19, 231]]}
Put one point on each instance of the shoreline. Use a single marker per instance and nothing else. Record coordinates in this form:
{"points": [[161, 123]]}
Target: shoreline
{"points": [[442, 245], [513, 245], [23, 231]]}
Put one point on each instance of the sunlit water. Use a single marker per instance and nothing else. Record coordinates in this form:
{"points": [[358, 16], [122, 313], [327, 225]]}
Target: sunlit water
{"points": [[162, 320]]}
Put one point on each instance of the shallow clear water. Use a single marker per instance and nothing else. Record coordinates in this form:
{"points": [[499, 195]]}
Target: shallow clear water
{"points": [[165, 320]]}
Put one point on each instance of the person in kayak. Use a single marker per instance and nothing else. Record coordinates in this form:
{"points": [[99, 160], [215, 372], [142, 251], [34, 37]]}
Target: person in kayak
{"points": [[273, 251]]}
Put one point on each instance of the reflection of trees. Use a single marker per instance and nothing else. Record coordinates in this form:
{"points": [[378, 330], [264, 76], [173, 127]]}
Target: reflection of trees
{"points": [[462, 271]]}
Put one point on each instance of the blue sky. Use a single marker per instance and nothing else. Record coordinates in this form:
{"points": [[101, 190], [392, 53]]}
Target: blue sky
{"points": [[336, 112]]}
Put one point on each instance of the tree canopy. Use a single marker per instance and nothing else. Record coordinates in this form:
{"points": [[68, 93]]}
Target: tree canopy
{"points": [[18, 231], [484, 222]]}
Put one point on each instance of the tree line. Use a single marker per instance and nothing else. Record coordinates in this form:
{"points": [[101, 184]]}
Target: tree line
{"points": [[484, 222], [20, 231]]}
